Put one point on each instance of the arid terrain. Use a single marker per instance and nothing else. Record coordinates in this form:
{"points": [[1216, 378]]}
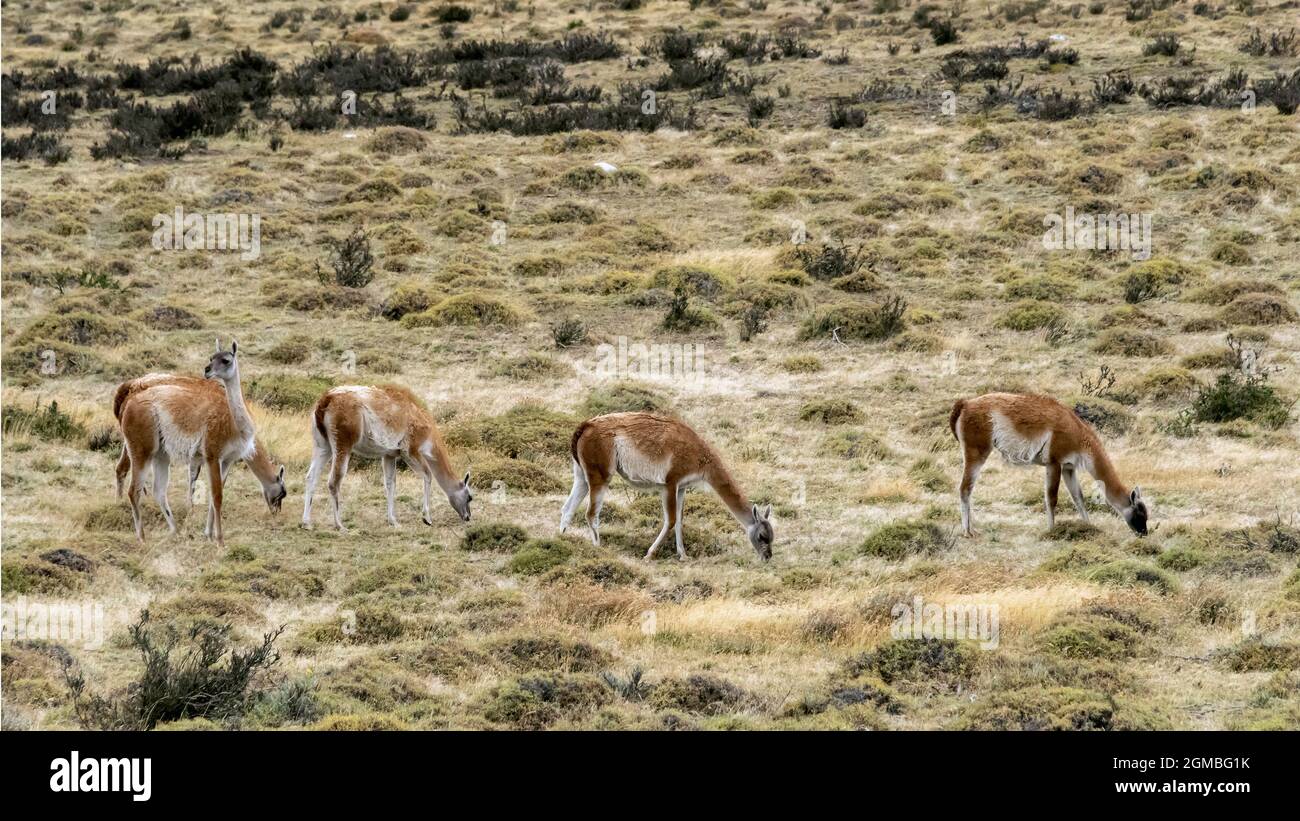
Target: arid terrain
{"points": [[805, 229]]}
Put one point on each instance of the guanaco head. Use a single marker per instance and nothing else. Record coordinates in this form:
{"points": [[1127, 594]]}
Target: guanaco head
{"points": [[461, 497], [275, 491], [1135, 512], [224, 365], [760, 531]]}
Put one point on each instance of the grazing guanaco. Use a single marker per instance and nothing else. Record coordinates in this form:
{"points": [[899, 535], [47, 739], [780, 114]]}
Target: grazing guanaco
{"points": [[1037, 430], [384, 422], [268, 474], [655, 453], [167, 422]]}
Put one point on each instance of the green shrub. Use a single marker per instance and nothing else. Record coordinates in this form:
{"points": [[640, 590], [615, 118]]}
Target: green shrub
{"points": [[1077, 558], [602, 572], [1131, 572], [407, 298], [898, 540], [694, 280], [1181, 559], [853, 444], [538, 556], [829, 260], [1258, 309], [929, 475], [928, 664], [855, 322], [1254, 655], [78, 328], [621, 397], [516, 476], [534, 702], [803, 363], [402, 577], [525, 653], [285, 391], [47, 423], [1030, 315], [473, 309], [1130, 342], [538, 266], [1230, 253], [1049, 288], [32, 358], [683, 318], [1104, 414], [1089, 637], [1291, 587], [371, 625], [528, 429], [291, 350], [1056, 708], [700, 694], [175, 686], [1235, 395], [30, 575], [500, 537], [350, 260], [830, 412], [1221, 293], [359, 723], [1072, 530], [532, 366], [1165, 383]]}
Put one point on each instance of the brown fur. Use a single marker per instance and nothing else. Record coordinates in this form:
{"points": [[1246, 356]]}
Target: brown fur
{"points": [[1068, 444], [659, 441], [339, 419], [165, 421], [206, 391]]}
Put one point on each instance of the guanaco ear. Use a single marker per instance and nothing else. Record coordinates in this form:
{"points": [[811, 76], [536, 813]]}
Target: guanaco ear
{"points": [[465, 481], [234, 347], [1135, 495], [753, 511], [767, 512], [218, 344], [281, 476]]}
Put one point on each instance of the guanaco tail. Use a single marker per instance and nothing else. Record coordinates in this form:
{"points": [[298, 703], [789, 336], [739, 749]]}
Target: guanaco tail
{"points": [[385, 422], [655, 453], [1037, 430]]}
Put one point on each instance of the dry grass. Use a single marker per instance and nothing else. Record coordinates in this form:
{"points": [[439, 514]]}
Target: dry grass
{"points": [[947, 212]]}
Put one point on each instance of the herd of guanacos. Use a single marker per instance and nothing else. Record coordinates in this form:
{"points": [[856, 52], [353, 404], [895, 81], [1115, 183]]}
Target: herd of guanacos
{"points": [[198, 422]]}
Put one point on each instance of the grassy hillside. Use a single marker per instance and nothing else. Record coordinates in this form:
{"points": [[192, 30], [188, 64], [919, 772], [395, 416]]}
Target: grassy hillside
{"points": [[913, 151]]}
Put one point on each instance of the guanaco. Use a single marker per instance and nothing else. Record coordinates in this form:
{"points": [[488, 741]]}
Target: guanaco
{"points": [[1037, 430], [207, 391], [165, 422], [384, 422], [653, 452]]}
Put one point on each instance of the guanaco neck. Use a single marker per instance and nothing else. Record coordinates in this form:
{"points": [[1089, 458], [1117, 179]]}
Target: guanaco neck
{"points": [[1103, 470], [720, 479], [262, 466], [442, 470], [238, 410]]}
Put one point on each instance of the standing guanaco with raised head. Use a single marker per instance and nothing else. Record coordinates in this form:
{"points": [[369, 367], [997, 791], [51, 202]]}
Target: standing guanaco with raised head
{"points": [[1037, 430], [166, 422], [655, 453], [201, 392], [384, 422]]}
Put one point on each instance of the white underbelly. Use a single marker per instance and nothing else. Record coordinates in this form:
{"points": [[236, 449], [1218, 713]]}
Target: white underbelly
{"points": [[637, 469], [377, 439], [1016, 448]]}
